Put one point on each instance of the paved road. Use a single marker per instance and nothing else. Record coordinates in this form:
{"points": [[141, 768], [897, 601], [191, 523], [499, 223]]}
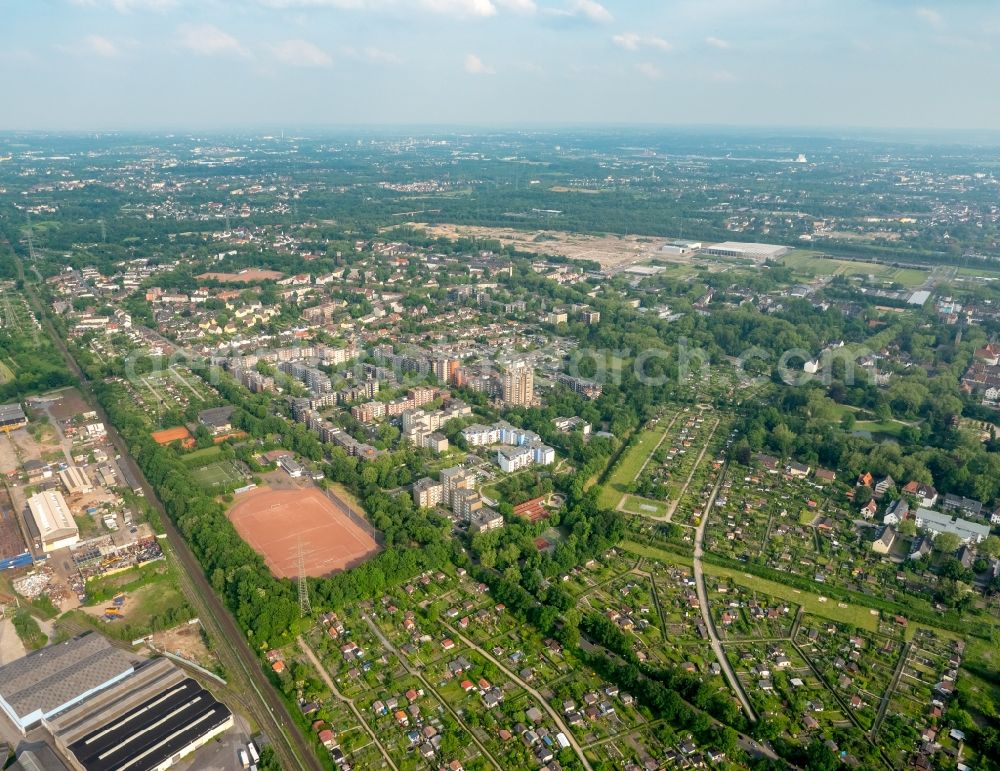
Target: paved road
{"points": [[706, 614], [241, 663], [318, 666], [556, 718]]}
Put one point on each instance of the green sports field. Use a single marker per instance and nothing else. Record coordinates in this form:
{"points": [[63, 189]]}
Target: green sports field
{"points": [[219, 475], [810, 263]]}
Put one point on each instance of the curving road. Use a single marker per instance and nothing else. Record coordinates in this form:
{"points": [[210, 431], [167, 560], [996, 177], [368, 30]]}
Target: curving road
{"points": [[387, 644], [556, 718], [706, 614], [318, 666]]}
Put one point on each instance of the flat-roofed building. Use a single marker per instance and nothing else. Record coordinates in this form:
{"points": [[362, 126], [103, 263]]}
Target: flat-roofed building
{"points": [[12, 417], [150, 720], [76, 481], [57, 677], [291, 467], [485, 519], [52, 520], [680, 247], [37, 756], [748, 251], [217, 419], [427, 493], [936, 522], [518, 384]]}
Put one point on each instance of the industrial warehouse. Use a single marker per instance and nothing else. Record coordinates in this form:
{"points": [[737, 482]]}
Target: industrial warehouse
{"points": [[53, 679], [51, 522], [112, 712], [147, 721], [12, 417]]}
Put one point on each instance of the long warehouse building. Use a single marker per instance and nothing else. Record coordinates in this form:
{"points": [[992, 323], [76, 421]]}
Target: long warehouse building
{"points": [[749, 251], [53, 522], [147, 722], [55, 678]]}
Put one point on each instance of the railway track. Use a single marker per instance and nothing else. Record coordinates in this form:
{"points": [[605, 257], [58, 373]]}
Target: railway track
{"points": [[245, 675]]}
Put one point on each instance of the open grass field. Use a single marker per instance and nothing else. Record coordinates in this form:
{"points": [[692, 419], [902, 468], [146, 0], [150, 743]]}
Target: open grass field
{"points": [[987, 273], [203, 456], [6, 373], [631, 462], [277, 524], [651, 552], [856, 615], [220, 474], [887, 427], [813, 264], [647, 507]]}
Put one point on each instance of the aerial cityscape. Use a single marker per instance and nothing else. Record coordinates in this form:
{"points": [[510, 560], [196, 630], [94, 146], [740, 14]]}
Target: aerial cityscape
{"points": [[613, 444]]}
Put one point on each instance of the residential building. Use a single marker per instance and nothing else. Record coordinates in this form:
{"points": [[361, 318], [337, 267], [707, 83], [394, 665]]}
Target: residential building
{"points": [[926, 495], [961, 505], [898, 511], [936, 522], [485, 519], [884, 541], [514, 458], [427, 493], [518, 385]]}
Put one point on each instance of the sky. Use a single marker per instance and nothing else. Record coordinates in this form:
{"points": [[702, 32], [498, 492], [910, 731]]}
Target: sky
{"points": [[295, 64]]}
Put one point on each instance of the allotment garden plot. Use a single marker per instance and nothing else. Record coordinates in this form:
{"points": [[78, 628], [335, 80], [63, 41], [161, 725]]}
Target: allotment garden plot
{"points": [[666, 465]]}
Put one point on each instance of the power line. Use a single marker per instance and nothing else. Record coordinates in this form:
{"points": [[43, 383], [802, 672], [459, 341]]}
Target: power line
{"points": [[305, 608]]}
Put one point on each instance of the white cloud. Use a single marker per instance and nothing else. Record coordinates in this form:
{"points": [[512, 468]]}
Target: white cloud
{"points": [[208, 40], [518, 6], [300, 53], [580, 11], [717, 42], [475, 66], [930, 16], [455, 8], [93, 46], [649, 70], [591, 10], [630, 41], [460, 8], [127, 6]]}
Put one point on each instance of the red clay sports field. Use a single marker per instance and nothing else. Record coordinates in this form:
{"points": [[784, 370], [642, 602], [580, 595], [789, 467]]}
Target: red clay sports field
{"points": [[276, 522]]}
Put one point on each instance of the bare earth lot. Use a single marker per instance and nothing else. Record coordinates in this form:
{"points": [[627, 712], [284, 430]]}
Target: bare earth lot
{"points": [[11, 647], [68, 404], [185, 641], [612, 252]]}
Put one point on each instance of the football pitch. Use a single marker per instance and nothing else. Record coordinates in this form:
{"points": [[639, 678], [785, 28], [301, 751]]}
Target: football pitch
{"points": [[222, 473]]}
